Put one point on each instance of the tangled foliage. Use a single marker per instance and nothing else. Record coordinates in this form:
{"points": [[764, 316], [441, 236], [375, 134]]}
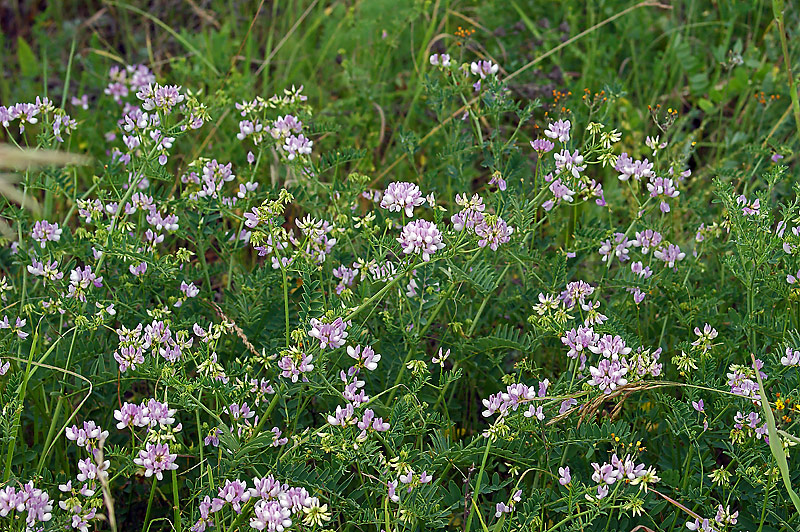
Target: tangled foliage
{"points": [[586, 338]]}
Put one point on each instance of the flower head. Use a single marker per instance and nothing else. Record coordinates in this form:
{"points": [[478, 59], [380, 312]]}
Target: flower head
{"points": [[670, 255], [421, 237], [402, 196], [331, 335], [608, 375], [564, 476], [440, 60], [483, 68], [542, 145], [558, 130], [155, 459]]}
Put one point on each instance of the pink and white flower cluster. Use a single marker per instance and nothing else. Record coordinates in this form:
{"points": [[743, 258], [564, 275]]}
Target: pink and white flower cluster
{"points": [[492, 231], [29, 499], [277, 506], [421, 237]]}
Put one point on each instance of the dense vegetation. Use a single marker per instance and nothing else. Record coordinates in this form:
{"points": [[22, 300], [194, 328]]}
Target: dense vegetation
{"points": [[379, 265]]}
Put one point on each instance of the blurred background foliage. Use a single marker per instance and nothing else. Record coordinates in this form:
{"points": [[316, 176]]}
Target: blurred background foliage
{"points": [[364, 65]]}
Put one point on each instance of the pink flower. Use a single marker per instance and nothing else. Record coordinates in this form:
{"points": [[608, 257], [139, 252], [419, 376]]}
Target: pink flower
{"points": [[421, 237], [542, 145], [558, 130], [402, 196], [155, 459], [608, 375], [564, 476], [698, 405], [330, 335], [483, 68]]}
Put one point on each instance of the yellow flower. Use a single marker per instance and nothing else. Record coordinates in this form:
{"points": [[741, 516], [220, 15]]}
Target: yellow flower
{"points": [[316, 513]]}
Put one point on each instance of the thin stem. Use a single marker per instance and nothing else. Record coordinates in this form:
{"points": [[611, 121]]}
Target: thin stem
{"points": [[575, 516], [422, 332], [374, 297], [476, 493], [285, 301], [149, 506], [777, 9], [176, 501], [764, 505]]}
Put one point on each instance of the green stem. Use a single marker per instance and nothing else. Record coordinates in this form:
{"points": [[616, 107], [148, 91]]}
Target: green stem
{"points": [[149, 506], [202, 256], [379, 294], [476, 493], [764, 505], [199, 434], [686, 468], [51, 432], [421, 335], [777, 9], [242, 516], [422, 62], [177, 36], [176, 501], [285, 302], [18, 415]]}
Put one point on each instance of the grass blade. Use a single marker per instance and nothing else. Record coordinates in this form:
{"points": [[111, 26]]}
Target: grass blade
{"points": [[189, 46], [775, 441]]}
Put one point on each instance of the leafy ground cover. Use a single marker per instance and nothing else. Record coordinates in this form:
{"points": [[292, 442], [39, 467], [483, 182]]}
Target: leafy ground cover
{"points": [[423, 265]]}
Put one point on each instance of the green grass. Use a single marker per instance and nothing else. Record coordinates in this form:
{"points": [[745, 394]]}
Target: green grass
{"points": [[364, 65]]}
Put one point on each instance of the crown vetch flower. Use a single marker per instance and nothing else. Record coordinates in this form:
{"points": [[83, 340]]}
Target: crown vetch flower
{"points": [[579, 339], [421, 237], [616, 248], [749, 208], [610, 347], [670, 255], [558, 130], [366, 357], [791, 358], [16, 328], [647, 239], [155, 459], [297, 146], [47, 270], [542, 145], [493, 231], [440, 60], [471, 213], [564, 476], [608, 375], [402, 196], [483, 68], [295, 363], [270, 515], [43, 231], [29, 499], [331, 335], [638, 170], [570, 162]]}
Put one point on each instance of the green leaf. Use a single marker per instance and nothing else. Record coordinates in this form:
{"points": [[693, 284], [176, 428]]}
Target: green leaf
{"points": [[28, 64], [698, 83], [705, 105], [775, 444]]}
